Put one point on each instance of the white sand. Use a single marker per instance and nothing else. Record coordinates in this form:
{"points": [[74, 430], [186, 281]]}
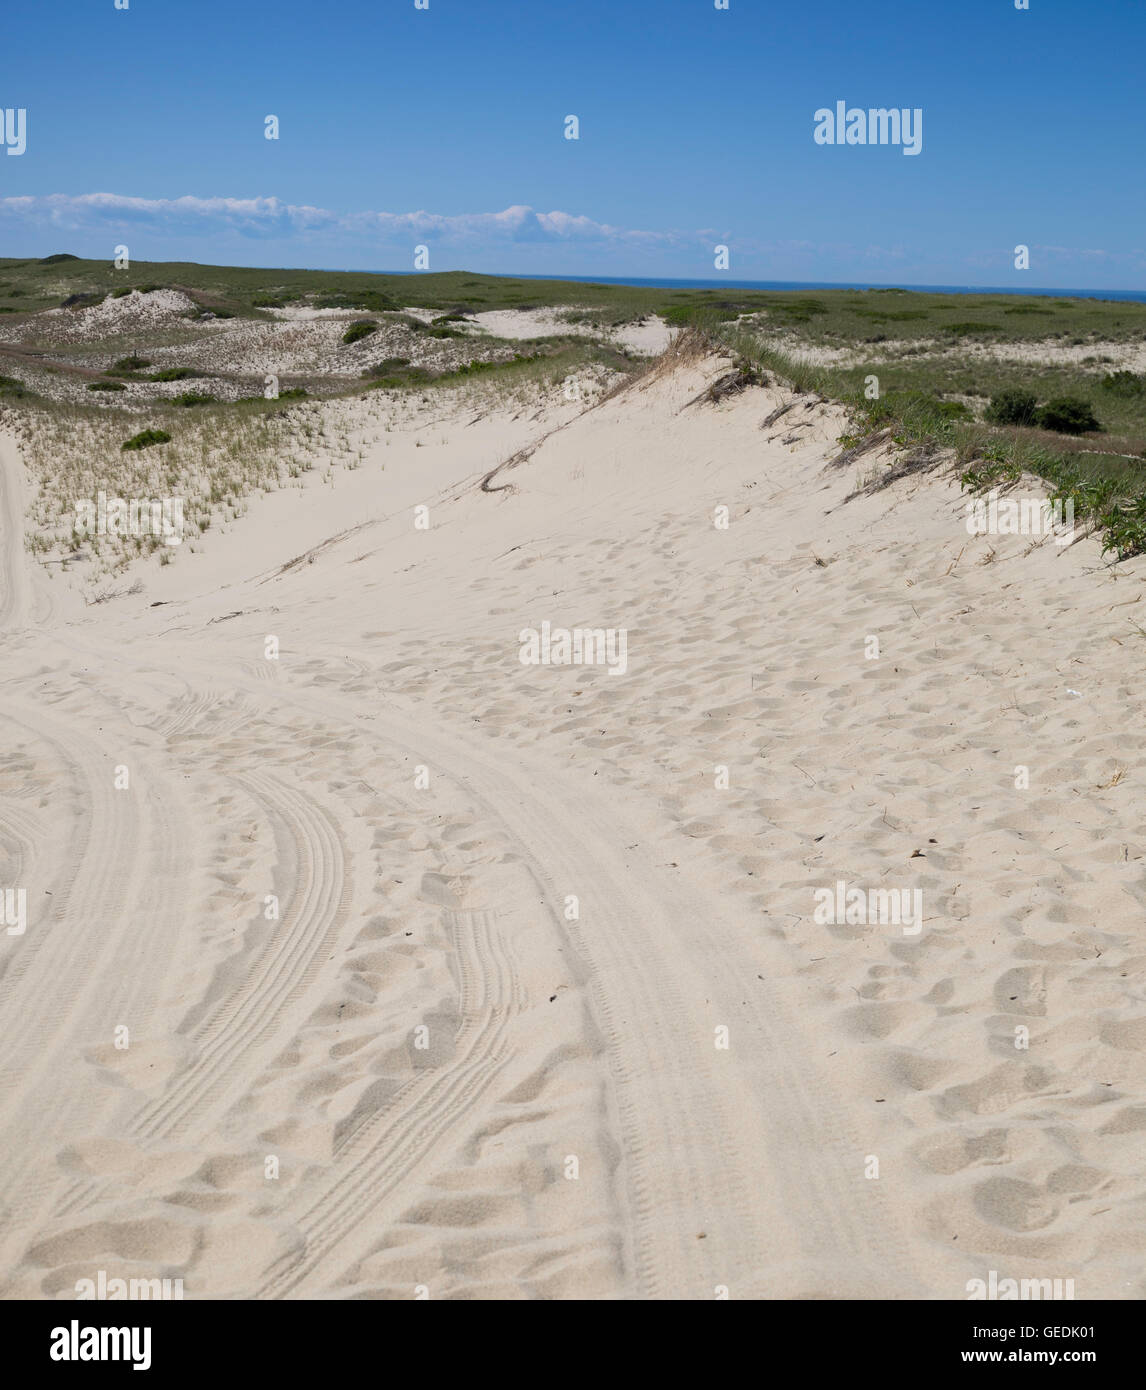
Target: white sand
{"points": [[571, 1128], [648, 337]]}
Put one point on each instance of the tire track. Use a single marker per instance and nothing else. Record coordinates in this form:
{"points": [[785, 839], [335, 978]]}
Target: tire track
{"points": [[676, 1095], [94, 961], [241, 1032], [422, 1119]]}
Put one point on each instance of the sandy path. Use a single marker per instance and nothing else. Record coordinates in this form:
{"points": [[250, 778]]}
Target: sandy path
{"points": [[458, 1087]]}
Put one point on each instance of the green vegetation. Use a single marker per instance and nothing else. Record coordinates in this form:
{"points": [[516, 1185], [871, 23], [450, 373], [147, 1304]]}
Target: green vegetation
{"points": [[1064, 414], [1013, 407], [386, 367], [841, 316], [174, 374], [1067, 415], [106, 386], [194, 398], [552, 360], [1128, 384], [957, 371], [145, 439], [293, 393], [1108, 489], [359, 329], [13, 390]]}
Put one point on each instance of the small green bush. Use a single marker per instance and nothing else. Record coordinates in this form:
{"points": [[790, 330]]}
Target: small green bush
{"points": [[359, 329], [1068, 415], [16, 390], [106, 386], [174, 374], [145, 439], [1013, 407], [134, 363], [1124, 383], [387, 366], [194, 398]]}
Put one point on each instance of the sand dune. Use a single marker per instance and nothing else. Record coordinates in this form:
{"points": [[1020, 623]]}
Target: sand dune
{"points": [[372, 1046]]}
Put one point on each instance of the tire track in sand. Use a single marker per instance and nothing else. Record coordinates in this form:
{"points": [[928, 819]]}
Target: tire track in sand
{"points": [[667, 965], [241, 1033]]}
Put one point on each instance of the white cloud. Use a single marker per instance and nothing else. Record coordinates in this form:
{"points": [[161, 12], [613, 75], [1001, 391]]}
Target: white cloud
{"points": [[265, 217]]}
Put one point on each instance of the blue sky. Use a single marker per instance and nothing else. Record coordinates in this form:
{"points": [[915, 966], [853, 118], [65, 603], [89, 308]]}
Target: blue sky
{"points": [[445, 127]]}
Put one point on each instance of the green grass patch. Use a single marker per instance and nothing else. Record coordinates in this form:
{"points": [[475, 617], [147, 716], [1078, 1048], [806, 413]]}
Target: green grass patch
{"points": [[175, 374], [145, 439], [359, 329]]}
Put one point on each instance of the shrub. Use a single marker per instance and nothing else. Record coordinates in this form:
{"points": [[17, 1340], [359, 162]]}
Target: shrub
{"points": [[106, 386], [16, 390], [1013, 407], [193, 398], [359, 329], [134, 363], [387, 366], [174, 374], [1067, 415], [1124, 383], [145, 439]]}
